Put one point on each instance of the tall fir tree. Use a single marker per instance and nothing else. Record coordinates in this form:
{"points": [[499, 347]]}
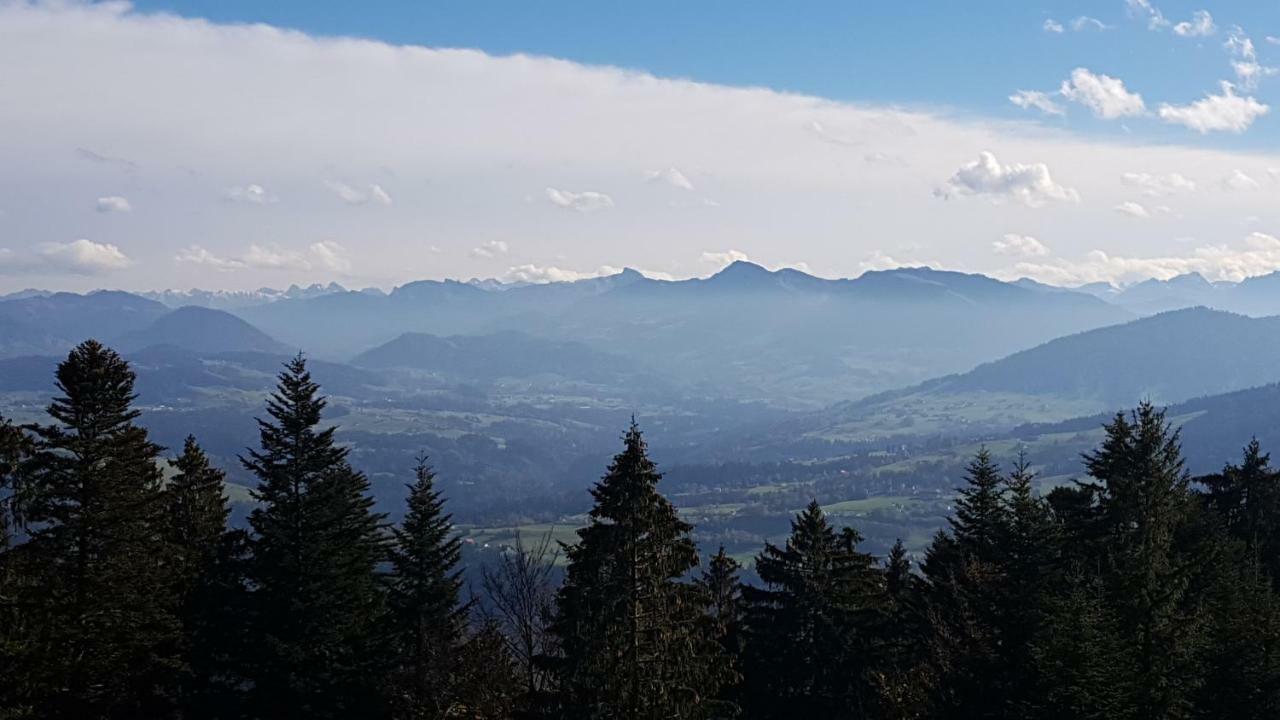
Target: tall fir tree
{"points": [[427, 619], [980, 516], [316, 599], [94, 506], [1030, 565], [721, 589], [207, 558], [1154, 562], [632, 635], [966, 573], [812, 629]]}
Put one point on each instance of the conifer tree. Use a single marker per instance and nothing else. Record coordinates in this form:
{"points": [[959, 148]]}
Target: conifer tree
{"points": [[1081, 658], [811, 631], [1154, 562], [316, 598], [1029, 549], [428, 623], [208, 564], [633, 637], [723, 591], [980, 517], [1247, 496], [94, 506], [15, 625], [965, 574], [900, 679]]}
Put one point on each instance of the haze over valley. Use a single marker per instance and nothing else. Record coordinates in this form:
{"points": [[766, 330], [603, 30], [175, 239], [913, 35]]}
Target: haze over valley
{"points": [[760, 389]]}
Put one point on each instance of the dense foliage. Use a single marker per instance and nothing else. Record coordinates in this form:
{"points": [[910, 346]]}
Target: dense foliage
{"points": [[1136, 592]]}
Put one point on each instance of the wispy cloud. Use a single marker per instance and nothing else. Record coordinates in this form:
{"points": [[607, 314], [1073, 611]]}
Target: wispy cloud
{"points": [[1041, 101], [587, 201], [1023, 245], [1226, 112], [113, 204]]}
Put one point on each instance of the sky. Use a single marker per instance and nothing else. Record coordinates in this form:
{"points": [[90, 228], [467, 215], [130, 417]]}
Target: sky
{"points": [[234, 145]]}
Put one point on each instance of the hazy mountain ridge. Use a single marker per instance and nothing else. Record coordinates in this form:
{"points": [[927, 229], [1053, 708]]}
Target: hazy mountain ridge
{"points": [[233, 299], [745, 331]]}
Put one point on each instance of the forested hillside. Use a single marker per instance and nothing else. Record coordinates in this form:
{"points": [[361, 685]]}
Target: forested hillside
{"points": [[1137, 591]]}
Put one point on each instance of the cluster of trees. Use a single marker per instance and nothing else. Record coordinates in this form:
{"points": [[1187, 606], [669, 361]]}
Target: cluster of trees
{"points": [[1138, 593]]}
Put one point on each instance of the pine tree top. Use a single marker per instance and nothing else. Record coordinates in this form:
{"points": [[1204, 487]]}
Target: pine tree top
{"points": [[97, 391]]}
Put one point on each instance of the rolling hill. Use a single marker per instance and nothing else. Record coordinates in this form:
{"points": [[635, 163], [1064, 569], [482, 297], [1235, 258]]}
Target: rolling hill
{"points": [[1166, 358], [202, 330]]}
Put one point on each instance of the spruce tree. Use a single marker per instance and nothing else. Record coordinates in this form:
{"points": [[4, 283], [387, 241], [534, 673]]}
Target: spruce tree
{"points": [[965, 573], [723, 591], [1247, 496], [632, 635], [427, 621], [1154, 562], [980, 517], [15, 626], [811, 631], [208, 563], [102, 592], [1030, 563], [316, 598]]}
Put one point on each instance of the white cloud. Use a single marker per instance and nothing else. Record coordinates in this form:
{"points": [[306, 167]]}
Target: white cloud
{"points": [[1027, 99], [1259, 254], [1084, 22], [821, 130], [379, 196], [273, 257], [253, 194], [373, 194], [330, 256], [1245, 63], [1024, 245], [197, 255], [1250, 72], [1132, 209], [1145, 10], [1052, 26], [1031, 185], [1104, 95], [113, 204], [326, 255], [538, 274], [1240, 180], [469, 134], [1200, 25], [671, 176], [1227, 112], [493, 248], [1157, 185], [586, 201], [1273, 40], [724, 257], [83, 257]]}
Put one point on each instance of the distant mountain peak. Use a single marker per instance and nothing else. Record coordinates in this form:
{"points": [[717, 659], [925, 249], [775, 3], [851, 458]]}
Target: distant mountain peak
{"points": [[740, 271]]}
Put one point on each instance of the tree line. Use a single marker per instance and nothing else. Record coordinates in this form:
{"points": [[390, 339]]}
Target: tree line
{"points": [[1136, 592]]}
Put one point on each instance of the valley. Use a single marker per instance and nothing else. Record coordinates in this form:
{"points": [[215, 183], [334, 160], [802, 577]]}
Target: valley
{"points": [[759, 390]]}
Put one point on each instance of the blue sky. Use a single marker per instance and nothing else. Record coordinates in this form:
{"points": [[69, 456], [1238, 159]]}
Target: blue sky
{"points": [[966, 56], [241, 144]]}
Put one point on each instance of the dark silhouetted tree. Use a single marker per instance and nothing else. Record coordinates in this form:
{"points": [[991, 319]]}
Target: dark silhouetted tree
{"points": [[316, 599], [428, 623], [633, 636]]}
